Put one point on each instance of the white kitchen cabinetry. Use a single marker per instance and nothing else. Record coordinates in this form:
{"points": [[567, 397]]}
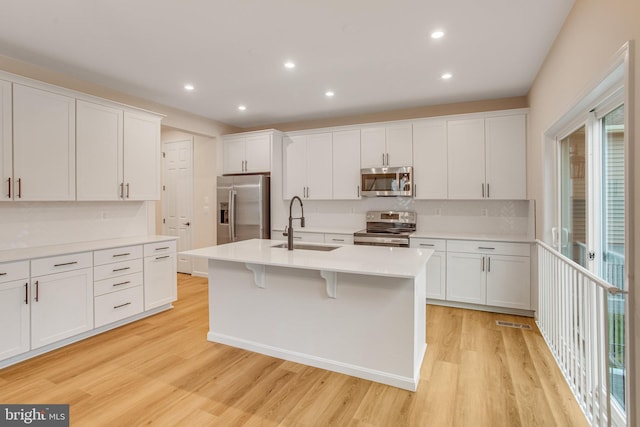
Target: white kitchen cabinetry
{"points": [[6, 142], [160, 280], [346, 162], [14, 309], [250, 153], [308, 166], [44, 149], [99, 141], [118, 284], [486, 158], [489, 273], [386, 146], [430, 159], [339, 238], [436, 266], [141, 174], [61, 302]]}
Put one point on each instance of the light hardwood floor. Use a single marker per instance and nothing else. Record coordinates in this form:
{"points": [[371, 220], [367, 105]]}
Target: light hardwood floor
{"points": [[162, 371]]}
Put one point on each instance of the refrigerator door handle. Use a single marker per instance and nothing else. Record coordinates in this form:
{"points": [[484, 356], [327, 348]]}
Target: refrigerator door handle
{"points": [[232, 215]]}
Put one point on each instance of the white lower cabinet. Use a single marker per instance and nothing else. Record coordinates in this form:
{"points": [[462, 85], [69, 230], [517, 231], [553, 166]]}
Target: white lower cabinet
{"points": [[436, 267], [489, 273], [61, 306], [14, 309], [118, 305], [160, 280], [339, 238]]}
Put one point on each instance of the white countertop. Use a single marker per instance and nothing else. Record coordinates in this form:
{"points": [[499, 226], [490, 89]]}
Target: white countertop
{"points": [[369, 260], [516, 238], [20, 254]]}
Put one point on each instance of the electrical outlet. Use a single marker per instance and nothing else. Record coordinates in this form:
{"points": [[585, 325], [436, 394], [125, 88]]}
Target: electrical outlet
{"points": [[484, 212]]}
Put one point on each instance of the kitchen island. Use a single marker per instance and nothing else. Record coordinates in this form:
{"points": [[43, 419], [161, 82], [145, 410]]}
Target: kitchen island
{"points": [[357, 310]]}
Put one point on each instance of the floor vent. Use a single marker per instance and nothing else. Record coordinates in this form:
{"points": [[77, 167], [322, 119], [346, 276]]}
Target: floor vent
{"points": [[513, 325]]}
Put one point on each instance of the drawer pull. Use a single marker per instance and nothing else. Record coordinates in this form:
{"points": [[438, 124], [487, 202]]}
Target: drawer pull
{"points": [[125, 254], [26, 293], [337, 240], [427, 244], [162, 257], [3, 274], [122, 283], [65, 263], [162, 248], [121, 305], [37, 291], [121, 269], [486, 248]]}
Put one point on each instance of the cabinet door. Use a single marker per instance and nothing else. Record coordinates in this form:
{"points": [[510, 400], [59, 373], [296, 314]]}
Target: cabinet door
{"points": [[399, 145], [14, 318], [44, 149], [141, 156], [508, 281], [61, 306], [505, 143], [233, 155], [319, 166], [99, 151], [6, 142], [430, 159], [466, 278], [295, 166], [465, 159], [258, 153], [373, 147], [436, 276], [160, 280], [346, 164]]}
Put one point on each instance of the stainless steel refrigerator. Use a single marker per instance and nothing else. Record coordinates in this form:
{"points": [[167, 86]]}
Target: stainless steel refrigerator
{"points": [[243, 208]]}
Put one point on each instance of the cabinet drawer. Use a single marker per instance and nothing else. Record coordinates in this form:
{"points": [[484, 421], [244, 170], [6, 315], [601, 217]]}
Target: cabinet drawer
{"points": [[342, 239], [119, 305], [299, 236], [117, 269], [160, 248], [14, 271], [489, 247], [57, 264], [101, 287], [424, 243], [124, 253]]}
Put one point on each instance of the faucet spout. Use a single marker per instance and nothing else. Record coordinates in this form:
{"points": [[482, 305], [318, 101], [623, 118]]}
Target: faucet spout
{"points": [[289, 231]]}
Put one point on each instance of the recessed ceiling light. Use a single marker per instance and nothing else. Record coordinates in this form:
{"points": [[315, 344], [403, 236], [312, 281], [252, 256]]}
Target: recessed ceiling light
{"points": [[446, 76], [189, 87], [289, 64], [329, 93], [242, 107], [437, 34]]}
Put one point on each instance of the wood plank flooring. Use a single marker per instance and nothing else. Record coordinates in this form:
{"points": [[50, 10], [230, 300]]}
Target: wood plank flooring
{"points": [[162, 371]]}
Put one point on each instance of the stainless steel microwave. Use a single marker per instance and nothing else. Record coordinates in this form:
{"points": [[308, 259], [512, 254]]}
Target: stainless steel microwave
{"points": [[387, 182]]}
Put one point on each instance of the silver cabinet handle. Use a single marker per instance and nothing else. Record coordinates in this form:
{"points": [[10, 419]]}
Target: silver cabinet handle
{"points": [[337, 240], [162, 248], [482, 264], [65, 263], [122, 283], [487, 248], [115, 270], [122, 190], [9, 195], [163, 257], [358, 191], [382, 159], [488, 264], [19, 188], [488, 196], [430, 245], [127, 190], [118, 255], [37, 291], [26, 293], [482, 190], [3, 274], [387, 159]]}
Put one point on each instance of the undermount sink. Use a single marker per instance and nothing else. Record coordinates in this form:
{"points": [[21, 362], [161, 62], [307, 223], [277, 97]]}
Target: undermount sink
{"points": [[307, 247]]}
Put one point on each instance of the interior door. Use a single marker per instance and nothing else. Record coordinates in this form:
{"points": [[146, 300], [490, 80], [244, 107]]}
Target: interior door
{"points": [[177, 197]]}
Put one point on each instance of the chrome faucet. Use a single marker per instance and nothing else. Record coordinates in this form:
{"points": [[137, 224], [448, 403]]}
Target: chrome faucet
{"points": [[289, 231]]}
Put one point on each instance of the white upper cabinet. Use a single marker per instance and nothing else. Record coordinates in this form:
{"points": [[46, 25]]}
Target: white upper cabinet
{"points": [[99, 141], [141, 172], [430, 159], [6, 142], [487, 158], [249, 153], [308, 166], [346, 162], [506, 157], [386, 146], [43, 145], [118, 154], [465, 159]]}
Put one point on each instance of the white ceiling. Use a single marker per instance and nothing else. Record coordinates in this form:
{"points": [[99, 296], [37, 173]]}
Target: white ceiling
{"points": [[376, 55]]}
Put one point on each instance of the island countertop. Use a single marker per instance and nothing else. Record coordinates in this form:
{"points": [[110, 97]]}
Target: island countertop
{"points": [[369, 260]]}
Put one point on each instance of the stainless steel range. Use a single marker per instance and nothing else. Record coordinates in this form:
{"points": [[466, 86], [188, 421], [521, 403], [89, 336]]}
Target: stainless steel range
{"points": [[387, 228]]}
